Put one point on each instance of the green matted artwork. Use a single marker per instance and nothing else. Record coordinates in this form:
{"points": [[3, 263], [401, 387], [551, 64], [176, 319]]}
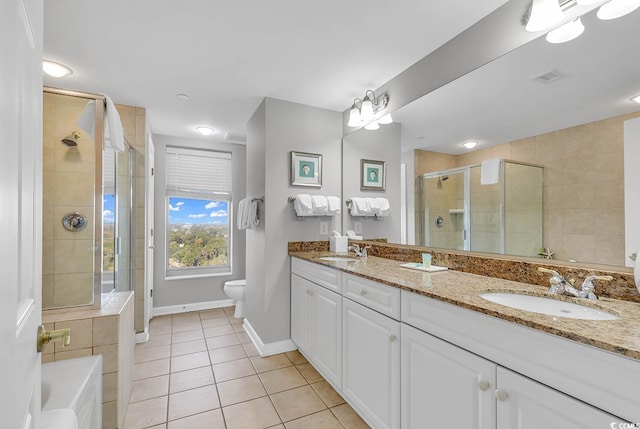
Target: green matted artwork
{"points": [[372, 175], [306, 169]]}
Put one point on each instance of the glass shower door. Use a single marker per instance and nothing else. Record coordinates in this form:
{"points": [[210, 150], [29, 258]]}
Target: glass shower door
{"points": [[486, 230], [444, 208]]}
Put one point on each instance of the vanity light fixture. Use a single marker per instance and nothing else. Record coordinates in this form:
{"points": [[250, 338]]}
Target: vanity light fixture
{"points": [[386, 119], [205, 131], [470, 145], [364, 111], [55, 69], [372, 126], [635, 99], [566, 32], [617, 8], [544, 15]]}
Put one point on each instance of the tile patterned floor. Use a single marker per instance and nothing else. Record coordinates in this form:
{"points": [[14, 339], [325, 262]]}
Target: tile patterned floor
{"points": [[200, 370]]}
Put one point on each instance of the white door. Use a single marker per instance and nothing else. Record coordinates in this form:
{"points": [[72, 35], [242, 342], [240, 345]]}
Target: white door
{"points": [[20, 210], [371, 364], [326, 334], [527, 404], [150, 232], [442, 383]]}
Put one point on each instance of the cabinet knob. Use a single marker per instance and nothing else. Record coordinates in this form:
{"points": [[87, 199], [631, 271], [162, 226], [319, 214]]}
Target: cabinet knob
{"points": [[501, 395], [392, 338], [484, 385], [363, 292]]}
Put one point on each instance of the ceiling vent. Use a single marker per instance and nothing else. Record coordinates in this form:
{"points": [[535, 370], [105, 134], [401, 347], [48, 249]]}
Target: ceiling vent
{"points": [[235, 138], [548, 77]]}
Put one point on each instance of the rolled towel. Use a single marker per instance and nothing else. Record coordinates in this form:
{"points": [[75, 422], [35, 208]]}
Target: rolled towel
{"points": [[319, 204], [303, 205], [334, 204]]}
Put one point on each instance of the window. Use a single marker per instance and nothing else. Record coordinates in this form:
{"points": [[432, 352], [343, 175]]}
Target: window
{"points": [[198, 199]]}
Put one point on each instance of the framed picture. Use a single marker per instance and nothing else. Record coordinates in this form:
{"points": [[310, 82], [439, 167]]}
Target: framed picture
{"points": [[372, 174], [306, 169]]}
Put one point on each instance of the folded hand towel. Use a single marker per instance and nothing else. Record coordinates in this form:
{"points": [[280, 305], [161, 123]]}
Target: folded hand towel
{"points": [[115, 136], [490, 171], [334, 205], [381, 207], [320, 204], [254, 218], [360, 207], [303, 205], [241, 219]]}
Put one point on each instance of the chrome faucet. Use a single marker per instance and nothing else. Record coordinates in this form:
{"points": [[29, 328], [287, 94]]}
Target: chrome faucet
{"points": [[560, 286], [359, 251]]}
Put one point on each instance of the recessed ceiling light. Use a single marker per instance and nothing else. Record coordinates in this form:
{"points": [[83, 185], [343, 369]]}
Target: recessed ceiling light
{"points": [[205, 131], [635, 99], [182, 96], [470, 145], [54, 69]]}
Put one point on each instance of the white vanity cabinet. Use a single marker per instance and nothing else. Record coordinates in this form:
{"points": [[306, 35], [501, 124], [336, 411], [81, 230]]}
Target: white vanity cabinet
{"points": [[523, 403], [316, 320], [371, 364], [444, 385]]}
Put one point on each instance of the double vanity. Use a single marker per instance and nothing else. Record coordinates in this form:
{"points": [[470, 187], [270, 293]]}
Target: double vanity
{"points": [[409, 349]]}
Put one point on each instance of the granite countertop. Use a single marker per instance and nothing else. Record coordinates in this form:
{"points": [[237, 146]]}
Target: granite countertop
{"points": [[620, 336]]}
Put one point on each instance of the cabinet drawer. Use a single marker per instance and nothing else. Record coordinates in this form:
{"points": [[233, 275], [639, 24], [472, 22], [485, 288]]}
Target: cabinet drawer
{"points": [[324, 276], [377, 296]]}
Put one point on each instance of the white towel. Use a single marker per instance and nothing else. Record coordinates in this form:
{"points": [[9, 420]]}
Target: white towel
{"points": [[360, 207], [490, 171], [303, 205], [87, 120], [334, 205], [320, 204], [248, 217], [243, 214], [114, 135], [382, 207]]}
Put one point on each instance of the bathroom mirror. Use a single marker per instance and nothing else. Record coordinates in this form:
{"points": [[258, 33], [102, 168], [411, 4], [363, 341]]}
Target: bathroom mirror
{"points": [[568, 120]]}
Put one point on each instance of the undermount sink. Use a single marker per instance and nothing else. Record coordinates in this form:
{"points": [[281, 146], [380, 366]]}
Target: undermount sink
{"points": [[548, 306], [338, 258]]}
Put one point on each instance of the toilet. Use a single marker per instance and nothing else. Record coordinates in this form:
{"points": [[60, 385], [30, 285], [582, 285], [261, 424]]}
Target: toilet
{"points": [[235, 289]]}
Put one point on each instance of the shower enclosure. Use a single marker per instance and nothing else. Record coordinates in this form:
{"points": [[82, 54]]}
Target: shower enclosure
{"points": [[457, 212], [87, 205]]}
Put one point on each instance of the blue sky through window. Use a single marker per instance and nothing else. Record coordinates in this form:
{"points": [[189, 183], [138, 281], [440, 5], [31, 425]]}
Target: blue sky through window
{"points": [[197, 212]]}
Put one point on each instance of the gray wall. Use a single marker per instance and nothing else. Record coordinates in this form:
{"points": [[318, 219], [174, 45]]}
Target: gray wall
{"points": [[276, 128], [205, 289], [380, 145]]}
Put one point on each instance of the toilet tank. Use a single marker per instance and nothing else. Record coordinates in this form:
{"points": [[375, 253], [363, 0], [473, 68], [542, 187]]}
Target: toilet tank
{"points": [[75, 384]]}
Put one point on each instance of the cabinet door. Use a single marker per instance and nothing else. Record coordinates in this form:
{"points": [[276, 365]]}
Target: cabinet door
{"points": [[326, 334], [527, 404], [442, 384], [301, 290], [371, 364]]}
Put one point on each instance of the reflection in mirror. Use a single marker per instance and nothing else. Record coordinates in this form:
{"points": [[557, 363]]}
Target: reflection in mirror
{"points": [[569, 120]]}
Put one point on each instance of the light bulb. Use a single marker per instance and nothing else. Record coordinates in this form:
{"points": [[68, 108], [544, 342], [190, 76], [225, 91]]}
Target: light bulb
{"points": [[544, 15], [617, 8], [366, 111], [205, 131], [566, 32], [54, 69], [372, 126], [354, 117]]}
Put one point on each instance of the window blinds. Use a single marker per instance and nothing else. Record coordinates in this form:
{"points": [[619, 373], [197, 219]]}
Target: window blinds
{"points": [[198, 173]]}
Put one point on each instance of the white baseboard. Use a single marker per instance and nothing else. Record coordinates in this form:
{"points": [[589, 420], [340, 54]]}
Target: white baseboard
{"points": [[196, 306], [142, 337], [268, 349]]}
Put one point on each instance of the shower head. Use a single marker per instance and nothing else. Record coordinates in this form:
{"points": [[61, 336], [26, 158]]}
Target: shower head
{"points": [[71, 139], [445, 178], [440, 180]]}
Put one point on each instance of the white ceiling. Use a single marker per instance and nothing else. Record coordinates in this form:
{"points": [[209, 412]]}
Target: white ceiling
{"points": [[228, 55], [500, 102]]}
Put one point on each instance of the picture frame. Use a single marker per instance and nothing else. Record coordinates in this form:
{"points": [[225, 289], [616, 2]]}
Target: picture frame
{"points": [[372, 175], [306, 169]]}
